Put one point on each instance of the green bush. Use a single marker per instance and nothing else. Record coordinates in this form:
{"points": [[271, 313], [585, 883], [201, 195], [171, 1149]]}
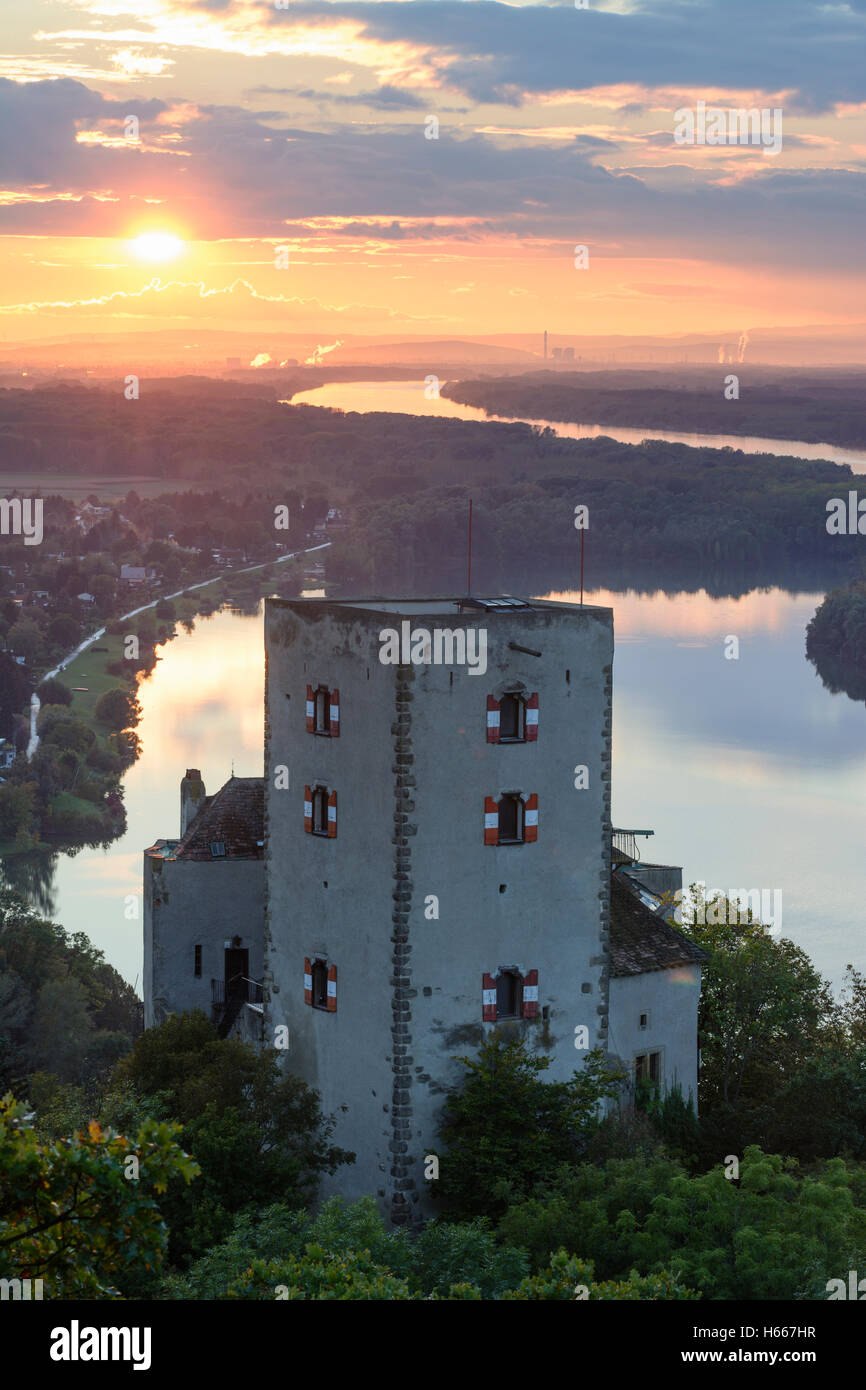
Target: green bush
{"points": [[54, 692], [775, 1233], [505, 1129], [118, 709], [467, 1254], [318, 1275], [567, 1278]]}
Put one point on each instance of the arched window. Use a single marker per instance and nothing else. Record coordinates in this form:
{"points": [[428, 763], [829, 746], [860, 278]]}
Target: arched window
{"points": [[320, 811], [509, 994], [511, 819], [320, 984], [512, 719]]}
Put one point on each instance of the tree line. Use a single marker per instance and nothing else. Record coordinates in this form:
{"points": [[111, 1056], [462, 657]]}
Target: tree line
{"points": [[541, 1188]]}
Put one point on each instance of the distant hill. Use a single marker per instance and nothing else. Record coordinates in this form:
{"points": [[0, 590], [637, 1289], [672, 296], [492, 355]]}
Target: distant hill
{"points": [[426, 351]]}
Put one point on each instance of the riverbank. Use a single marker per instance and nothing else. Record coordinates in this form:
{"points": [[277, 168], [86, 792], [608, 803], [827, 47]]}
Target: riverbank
{"points": [[708, 752], [416, 398], [826, 413], [94, 668]]}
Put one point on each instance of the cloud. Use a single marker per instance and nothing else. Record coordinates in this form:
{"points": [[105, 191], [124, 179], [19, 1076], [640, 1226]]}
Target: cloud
{"points": [[237, 301], [384, 98], [503, 53], [225, 172], [39, 122]]}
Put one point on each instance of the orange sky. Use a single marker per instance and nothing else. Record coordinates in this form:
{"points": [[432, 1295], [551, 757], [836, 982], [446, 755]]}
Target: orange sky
{"points": [[286, 153]]}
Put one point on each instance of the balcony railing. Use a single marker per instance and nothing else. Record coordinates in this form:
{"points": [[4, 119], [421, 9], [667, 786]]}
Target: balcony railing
{"points": [[626, 843], [239, 989]]}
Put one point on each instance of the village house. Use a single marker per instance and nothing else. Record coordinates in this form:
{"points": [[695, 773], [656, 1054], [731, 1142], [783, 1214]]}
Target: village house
{"points": [[135, 575]]}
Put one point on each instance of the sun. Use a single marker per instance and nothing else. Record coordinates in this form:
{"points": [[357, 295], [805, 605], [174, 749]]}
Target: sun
{"points": [[157, 246]]}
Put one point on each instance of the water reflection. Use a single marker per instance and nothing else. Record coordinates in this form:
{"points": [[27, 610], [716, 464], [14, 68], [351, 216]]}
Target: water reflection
{"points": [[32, 875], [750, 772], [202, 707]]}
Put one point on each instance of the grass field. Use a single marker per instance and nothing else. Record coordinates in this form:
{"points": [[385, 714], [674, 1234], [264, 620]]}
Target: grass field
{"points": [[90, 669], [66, 802], [77, 486]]}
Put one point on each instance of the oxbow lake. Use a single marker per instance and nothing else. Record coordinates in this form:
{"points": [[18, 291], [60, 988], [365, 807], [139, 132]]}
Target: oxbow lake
{"points": [[751, 774]]}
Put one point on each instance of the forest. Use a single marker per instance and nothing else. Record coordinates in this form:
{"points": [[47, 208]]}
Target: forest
{"points": [[823, 410], [836, 640], [660, 513], [543, 1190]]}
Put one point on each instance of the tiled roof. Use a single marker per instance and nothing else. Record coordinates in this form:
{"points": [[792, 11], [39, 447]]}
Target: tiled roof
{"points": [[234, 818], [640, 941]]}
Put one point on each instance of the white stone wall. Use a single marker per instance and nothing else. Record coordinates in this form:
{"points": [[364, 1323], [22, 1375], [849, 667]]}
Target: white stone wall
{"points": [[189, 903], [671, 998], [411, 769]]}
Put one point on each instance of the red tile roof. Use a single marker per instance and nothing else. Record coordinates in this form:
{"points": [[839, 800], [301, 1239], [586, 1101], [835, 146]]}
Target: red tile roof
{"points": [[234, 817], [640, 941]]}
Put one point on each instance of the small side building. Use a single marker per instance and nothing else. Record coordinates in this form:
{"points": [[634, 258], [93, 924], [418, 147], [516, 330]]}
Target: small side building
{"points": [[655, 989], [204, 909]]}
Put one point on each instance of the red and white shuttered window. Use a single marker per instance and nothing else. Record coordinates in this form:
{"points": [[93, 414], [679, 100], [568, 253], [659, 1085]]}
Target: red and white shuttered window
{"points": [[320, 812], [532, 718], [513, 820], [509, 995], [488, 998], [320, 984], [530, 994], [513, 718], [323, 711]]}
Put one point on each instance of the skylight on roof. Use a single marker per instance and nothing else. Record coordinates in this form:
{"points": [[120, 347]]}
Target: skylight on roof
{"points": [[493, 603], [217, 849]]}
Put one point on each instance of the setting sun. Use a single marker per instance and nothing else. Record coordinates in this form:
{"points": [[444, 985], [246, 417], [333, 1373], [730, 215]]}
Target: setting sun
{"points": [[157, 246]]}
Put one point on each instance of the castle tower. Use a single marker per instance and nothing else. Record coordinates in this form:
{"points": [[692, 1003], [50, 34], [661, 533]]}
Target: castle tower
{"points": [[437, 863]]}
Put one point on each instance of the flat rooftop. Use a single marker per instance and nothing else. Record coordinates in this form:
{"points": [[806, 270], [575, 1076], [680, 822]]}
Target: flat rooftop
{"points": [[468, 605]]}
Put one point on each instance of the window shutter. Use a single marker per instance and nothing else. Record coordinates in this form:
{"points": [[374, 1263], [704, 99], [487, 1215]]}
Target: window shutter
{"points": [[308, 981], [332, 816], [532, 718], [335, 714], [488, 998], [308, 810], [311, 711], [332, 989], [530, 819], [530, 994], [492, 719], [491, 821]]}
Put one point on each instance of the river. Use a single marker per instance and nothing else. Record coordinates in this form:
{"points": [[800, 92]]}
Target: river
{"points": [[750, 773], [409, 397]]}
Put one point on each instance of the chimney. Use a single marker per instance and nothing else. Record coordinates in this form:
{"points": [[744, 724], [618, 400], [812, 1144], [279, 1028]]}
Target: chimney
{"points": [[192, 796]]}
